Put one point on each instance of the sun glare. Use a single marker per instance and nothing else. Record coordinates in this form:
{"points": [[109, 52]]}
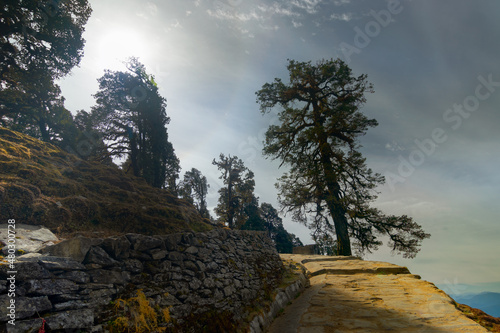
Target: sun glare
{"points": [[118, 45]]}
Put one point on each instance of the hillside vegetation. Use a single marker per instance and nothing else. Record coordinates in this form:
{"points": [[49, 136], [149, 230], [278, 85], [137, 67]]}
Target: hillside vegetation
{"points": [[41, 184]]}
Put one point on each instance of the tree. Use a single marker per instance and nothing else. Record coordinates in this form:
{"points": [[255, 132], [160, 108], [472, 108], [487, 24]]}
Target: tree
{"points": [[194, 188], [238, 192], [266, 218], [318, 138], [40, 41], [36, 108], [131, 116], [43, 35]]}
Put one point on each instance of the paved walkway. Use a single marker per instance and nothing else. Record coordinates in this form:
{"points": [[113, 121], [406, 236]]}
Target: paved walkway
{"points": [[352, 295]]}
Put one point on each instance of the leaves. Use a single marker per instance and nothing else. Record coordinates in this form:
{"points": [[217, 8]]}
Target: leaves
{"points": [[328, 186], [238, 194], [131, 116]]}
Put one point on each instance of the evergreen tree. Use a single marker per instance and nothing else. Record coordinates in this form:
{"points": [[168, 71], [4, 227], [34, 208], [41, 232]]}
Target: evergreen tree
{"points": [[318, 138], [238, 192], [266, 218], [131, 117], [40, 41], [41, 35], [194, 188]]}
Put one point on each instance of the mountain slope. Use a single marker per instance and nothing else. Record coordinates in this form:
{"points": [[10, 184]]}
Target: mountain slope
{"points": [[41, 184], [488, 302]]}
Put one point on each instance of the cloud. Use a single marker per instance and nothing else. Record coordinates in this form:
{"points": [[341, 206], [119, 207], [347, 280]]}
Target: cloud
{"points": [[342, 17], [310, 6]]}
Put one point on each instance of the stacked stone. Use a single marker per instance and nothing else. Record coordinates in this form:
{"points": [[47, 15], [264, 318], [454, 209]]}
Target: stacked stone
{"points": [[71, 283]]}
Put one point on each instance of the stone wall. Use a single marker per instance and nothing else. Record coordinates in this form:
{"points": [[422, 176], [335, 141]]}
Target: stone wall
{"points": [[206, 280]]}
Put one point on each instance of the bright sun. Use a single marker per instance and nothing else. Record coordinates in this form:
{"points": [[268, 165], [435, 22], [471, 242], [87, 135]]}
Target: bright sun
{"points": [[119, 44]]}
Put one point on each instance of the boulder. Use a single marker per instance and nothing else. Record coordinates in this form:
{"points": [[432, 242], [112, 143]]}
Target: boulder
{"points": [[75, 248], [29, 238]]}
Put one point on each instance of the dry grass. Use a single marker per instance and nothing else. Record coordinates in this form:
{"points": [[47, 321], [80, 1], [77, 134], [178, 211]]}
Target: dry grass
{"points": [[492, 324], [42, 185]]}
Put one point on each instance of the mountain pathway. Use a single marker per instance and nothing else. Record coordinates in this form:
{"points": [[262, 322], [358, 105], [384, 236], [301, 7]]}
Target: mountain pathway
{"points": [[348, 294]]}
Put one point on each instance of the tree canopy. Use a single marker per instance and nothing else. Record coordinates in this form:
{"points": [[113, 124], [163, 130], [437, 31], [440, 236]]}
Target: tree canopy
{"points": [[130, 115], [43, 35], [40, 41], [237, 193], [328, 186], [194, 188]]}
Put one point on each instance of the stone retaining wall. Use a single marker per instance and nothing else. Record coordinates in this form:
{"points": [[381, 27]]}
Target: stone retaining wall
{"points": [[219, 274]]}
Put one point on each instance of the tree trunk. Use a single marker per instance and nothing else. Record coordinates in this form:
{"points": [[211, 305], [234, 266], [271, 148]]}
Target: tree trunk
{"points": [[230, 206], [333, 199], [43, 130]]}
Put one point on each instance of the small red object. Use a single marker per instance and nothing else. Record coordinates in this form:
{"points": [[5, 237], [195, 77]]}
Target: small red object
{"points": [[42, 329]]}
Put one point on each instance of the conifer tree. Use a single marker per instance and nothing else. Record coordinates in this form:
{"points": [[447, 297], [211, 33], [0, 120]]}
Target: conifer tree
{"points": [[328, 186]]}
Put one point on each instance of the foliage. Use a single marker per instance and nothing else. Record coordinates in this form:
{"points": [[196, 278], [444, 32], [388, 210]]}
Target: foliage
{"points": [[137, 315], [318, 134], [37, 109], [130, 115], [40, 41], [266, 218], [194, 188], [44, 35], [237, 194]]}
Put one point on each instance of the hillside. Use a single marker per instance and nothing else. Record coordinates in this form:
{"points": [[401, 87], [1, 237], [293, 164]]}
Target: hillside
{"points": [[41, 184], [489, 302]]}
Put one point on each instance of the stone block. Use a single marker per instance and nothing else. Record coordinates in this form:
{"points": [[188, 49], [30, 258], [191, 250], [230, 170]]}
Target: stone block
{"points": [[25, 306], [73, 319], [75, 248], [117, 247], [97, 255], [51, 287]]}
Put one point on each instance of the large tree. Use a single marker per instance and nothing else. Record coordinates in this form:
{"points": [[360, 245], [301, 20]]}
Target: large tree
{"points": [[237, 193], [328, 186], [46, 35], [40, 41], [130, 114]]}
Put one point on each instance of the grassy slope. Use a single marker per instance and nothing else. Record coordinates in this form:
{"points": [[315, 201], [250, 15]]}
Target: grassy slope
{"points": [[42, 185], [492, 324]]}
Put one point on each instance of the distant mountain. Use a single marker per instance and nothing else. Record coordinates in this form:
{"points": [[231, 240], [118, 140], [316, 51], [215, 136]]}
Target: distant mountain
{"points": [[488, 302]]}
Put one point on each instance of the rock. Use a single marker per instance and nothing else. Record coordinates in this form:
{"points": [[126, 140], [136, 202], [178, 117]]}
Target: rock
{"points": [[133, 265], [51, 287], [143, 243], [192, 250], [117, 247], [96, 255], [75, 248], [75, 276], [29, 325], [27, 269], [68, 320], [29, 238], [158, 254], [57, 263], [25, 306], [105, 276]]}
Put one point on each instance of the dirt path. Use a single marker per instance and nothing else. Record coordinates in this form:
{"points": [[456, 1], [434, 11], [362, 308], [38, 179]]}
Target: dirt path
{"points": [[352, 295]]}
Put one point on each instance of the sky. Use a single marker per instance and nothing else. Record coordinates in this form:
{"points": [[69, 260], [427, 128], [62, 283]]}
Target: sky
{"points": [[436, 74]]}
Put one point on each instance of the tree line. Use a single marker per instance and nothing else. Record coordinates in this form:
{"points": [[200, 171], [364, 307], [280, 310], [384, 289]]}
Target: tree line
{"points": [[328, 187]]}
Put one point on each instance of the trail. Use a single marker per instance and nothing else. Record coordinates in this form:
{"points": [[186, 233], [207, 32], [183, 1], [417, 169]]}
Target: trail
{"points": [[352, 295]]}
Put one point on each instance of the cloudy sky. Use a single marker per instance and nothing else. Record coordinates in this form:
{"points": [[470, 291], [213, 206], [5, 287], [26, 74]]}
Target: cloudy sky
{"points": [[435, 69]]}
